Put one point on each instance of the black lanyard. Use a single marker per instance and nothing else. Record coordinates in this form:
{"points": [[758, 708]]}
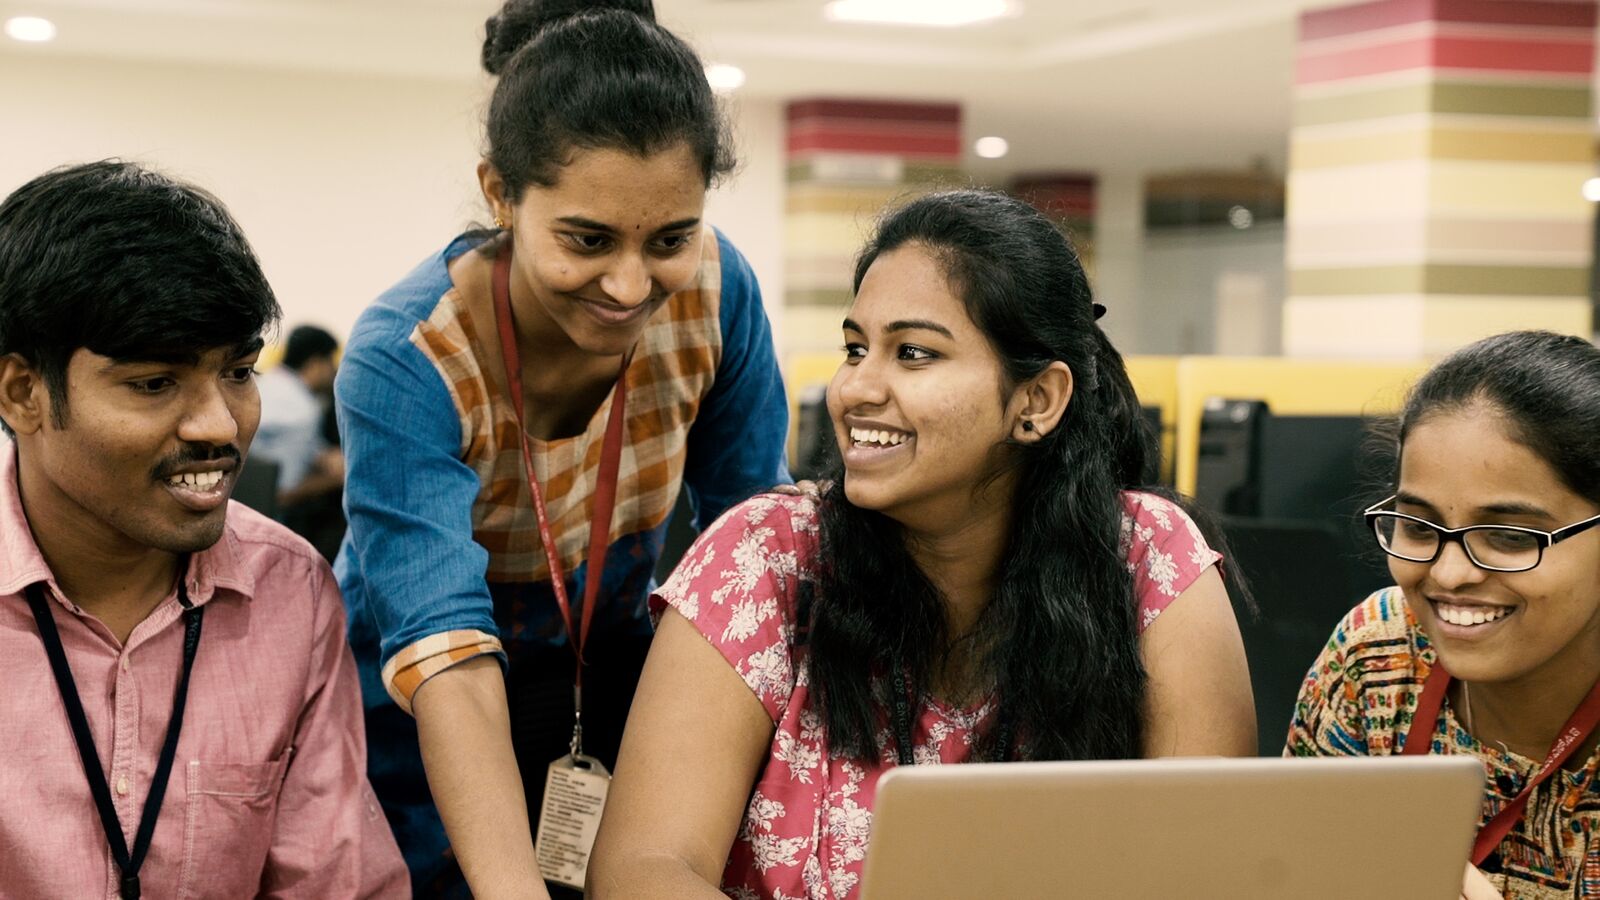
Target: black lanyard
{"points": [[128, 866], [901, 701]]}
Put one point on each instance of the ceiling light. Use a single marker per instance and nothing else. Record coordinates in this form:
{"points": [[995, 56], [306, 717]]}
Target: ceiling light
{"points": [[724, 77], [1591, 190], [943, 13], [32, 29], [991, 147]]}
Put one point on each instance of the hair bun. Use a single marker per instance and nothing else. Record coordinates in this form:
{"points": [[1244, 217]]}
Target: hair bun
{"points": [[519, 21]]}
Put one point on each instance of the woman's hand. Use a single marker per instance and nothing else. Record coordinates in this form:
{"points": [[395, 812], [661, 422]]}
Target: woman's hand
{"points": [[806, 488], [1477, 886]]}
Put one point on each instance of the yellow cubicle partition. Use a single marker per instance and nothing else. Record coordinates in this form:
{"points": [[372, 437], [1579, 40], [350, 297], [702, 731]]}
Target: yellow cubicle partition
{"points": [[1156, 380], [1304, 387]]}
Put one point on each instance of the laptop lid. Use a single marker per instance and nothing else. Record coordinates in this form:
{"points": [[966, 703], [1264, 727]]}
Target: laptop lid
{"points": [[1240, 829]]}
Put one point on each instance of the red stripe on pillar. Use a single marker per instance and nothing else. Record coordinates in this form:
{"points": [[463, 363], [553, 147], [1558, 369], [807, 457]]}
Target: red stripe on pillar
{"points": [[1572, 57], [1070, 196], [1541, 13], [1541, 55], [1362, 17], [858, 142], [801, 110]]}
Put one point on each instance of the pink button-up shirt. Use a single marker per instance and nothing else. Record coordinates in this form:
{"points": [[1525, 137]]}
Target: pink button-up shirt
{"points": [[268, 795]]}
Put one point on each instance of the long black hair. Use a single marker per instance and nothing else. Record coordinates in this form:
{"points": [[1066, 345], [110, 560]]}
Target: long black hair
{"points": [[588, 74], [1058, 639], [1546, 385]]}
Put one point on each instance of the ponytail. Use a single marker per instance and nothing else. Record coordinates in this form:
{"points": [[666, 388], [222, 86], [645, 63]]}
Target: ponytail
{"points": [[1135, 446]]}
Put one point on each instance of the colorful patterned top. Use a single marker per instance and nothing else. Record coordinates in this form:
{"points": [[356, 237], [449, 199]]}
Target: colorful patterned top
{"points": [[1358, 700], [805, 831], [443, 560]]}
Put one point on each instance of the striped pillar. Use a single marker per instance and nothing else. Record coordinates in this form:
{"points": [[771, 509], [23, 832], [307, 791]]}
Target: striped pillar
{"points": [[1436, 162], [848, 161], [1069, 199]]}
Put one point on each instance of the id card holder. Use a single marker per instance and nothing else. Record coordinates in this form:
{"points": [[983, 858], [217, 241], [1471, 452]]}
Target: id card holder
{"points": [[575, 789]]}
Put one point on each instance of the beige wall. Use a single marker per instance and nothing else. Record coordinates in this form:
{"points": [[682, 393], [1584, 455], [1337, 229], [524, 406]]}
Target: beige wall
{"points": [[342, 182]]}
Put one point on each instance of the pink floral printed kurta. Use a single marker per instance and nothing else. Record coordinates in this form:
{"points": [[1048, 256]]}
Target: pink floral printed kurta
{"points": [[805, 832]]}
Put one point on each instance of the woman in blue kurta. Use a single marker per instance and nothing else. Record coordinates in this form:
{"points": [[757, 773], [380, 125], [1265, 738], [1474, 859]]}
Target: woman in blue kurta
{"points": [[603, 138]]}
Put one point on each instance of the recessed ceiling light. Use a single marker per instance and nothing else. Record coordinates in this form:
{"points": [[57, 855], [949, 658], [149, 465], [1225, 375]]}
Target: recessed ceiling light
{"points": [[724, 77], [942, 13], [1591, 190], [991, 147], [32, 29]]}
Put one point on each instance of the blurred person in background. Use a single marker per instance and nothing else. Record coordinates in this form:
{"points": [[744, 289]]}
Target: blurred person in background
{"points": [[1488, 645], [989, 578], [519, 414], [295, 397], [152, 631]]}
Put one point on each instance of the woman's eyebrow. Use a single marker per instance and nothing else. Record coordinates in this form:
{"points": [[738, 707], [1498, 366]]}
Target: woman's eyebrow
{"points": [[680, 225], [592, 225], [1514, 508], [1410, 499], [1502, 508], [918, 325]]}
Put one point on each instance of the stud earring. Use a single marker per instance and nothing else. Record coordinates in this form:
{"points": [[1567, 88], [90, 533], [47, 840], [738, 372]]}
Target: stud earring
{"points": [[1027, 425], [499, 223]]}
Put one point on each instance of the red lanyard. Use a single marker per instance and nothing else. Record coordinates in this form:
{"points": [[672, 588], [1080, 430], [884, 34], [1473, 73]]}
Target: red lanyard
{"points": [[605, 492], [1573, 734]]}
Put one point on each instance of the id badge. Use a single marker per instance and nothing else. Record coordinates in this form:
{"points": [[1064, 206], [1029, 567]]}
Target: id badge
{"points": [[574, 797]]}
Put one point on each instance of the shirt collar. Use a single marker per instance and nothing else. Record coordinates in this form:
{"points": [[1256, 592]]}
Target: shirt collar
{"points": [[211, 570]]}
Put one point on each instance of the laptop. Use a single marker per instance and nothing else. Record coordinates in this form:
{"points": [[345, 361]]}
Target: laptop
{"points": [[1241, 829]]}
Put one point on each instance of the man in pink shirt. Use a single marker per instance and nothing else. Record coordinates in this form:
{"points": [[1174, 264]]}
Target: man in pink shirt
{"points": [[181, 716]]}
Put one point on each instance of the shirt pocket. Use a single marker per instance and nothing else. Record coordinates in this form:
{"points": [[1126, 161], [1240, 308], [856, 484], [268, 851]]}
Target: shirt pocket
{"points": [[228, 821]]}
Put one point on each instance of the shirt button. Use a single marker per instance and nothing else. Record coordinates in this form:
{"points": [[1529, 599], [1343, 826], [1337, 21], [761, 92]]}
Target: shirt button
{"points": [[122, 785]]}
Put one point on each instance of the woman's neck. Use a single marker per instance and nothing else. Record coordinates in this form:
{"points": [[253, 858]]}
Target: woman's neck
{"points": [[1527, 714], [963, 559]]}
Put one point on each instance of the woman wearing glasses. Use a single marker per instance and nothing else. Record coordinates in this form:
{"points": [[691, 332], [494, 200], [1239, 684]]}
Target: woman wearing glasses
{"points": [[1489, 645]]}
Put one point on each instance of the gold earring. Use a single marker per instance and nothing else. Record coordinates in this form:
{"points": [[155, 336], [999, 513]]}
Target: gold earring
{"points": [[499, 223]]}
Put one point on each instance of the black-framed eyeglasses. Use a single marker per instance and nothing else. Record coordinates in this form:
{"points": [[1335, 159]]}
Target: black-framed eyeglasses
{"points": [[1497, 548]]}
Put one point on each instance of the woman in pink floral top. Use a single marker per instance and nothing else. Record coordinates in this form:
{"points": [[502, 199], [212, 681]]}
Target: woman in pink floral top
{"points": [[984, 581]]}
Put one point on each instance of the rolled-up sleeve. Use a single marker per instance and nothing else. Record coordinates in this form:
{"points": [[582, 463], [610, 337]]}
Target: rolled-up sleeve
{"points": [[416, 571], [330, 838]]}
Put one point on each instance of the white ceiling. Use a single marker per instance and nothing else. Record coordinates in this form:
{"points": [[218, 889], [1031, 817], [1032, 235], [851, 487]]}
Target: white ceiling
{"points": [[1127, 85]]}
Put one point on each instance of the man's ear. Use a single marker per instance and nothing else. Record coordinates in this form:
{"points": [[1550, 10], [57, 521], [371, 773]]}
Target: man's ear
{"points": [[24, 397], [1040, 403]]}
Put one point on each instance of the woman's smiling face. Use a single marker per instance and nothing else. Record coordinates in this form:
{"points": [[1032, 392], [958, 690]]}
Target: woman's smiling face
{"points": [[920, 405], [600, 251], [1462, 467]]}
